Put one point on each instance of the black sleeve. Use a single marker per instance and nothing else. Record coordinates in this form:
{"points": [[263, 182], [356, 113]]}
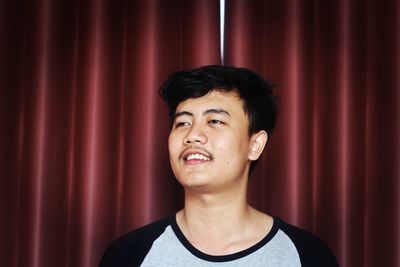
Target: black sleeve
{"points": [[131, 248], [312, 251]]}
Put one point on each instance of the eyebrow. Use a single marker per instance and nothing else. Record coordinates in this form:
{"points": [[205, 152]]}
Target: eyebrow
{"points": [[182, 113], [217, 111], [208, 111]]}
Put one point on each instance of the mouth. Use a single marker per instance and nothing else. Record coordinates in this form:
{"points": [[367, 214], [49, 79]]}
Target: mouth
{"points": [[196, 156]]}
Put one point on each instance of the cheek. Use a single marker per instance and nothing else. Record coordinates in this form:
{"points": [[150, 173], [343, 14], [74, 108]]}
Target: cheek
{"points": [[231, 144], [229, 150], [235, 151], [172, 144]]}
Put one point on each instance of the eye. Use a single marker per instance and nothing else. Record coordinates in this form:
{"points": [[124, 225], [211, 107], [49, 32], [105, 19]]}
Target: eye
{"points": [[214, 121], [181, 124]]}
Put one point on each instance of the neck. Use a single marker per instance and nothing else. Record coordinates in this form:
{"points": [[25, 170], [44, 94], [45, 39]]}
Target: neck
{"points": [[220, 221], [208, 208], [216, 206], [213, 222], [222, 227]]}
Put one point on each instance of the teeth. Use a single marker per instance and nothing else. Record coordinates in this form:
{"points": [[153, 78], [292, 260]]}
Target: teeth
{"points": [[197, 156]]}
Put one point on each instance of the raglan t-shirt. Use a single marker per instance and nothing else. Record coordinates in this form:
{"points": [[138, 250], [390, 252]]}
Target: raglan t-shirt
{"points": [[162, 243]]}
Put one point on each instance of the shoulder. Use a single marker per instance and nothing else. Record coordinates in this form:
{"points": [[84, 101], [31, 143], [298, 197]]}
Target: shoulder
{"points": [[130, 249], [312, 251]]}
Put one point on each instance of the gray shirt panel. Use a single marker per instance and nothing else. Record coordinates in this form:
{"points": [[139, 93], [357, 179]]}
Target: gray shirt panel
{"points": [[167, 250]]}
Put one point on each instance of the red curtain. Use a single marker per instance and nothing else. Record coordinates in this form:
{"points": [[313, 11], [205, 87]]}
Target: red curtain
{"points": [[332, 165], [83, 153], [83, 131]]}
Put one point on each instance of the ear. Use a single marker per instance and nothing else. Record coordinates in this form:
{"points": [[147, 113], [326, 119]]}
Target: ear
{"points": [[257, 144]]}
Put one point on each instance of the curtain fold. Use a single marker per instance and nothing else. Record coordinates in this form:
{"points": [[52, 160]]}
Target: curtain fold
{"points": [[83, 140], [332, 164], [84, 133]]}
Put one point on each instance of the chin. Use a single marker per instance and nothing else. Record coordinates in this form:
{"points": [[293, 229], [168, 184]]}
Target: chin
{"points": [[193, 180]]}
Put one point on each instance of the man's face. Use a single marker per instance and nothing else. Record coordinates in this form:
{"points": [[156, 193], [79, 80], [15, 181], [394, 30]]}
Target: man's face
{"points": [[209, 144]]}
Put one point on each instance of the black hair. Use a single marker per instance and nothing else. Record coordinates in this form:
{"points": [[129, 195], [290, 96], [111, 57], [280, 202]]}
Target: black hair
{"points": [[256, 92]]}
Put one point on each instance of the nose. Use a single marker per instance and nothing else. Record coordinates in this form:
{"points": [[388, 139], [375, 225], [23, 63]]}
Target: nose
{"points": [[195, 135]]}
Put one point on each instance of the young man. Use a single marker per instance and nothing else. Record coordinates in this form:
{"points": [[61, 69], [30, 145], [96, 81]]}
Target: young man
{"points": [[221, 118]]}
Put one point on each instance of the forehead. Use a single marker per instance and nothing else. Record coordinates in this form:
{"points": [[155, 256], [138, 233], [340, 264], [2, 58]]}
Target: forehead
{"points": [[230, 101]]}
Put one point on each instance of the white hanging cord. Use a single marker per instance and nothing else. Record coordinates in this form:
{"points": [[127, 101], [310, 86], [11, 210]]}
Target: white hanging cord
{"points": [[222, 28]]}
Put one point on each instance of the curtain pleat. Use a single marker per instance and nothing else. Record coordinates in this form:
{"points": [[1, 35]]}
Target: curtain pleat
{"points": [[83, 133], [331, 166]]}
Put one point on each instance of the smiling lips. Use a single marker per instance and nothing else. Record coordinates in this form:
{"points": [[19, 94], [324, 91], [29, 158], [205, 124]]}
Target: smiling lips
{"points": [[195, 156]]}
